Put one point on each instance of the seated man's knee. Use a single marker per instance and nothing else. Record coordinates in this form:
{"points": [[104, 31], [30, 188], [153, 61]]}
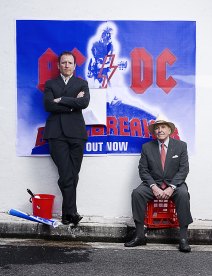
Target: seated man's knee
{"points": [[182, 192], [134, 193]]}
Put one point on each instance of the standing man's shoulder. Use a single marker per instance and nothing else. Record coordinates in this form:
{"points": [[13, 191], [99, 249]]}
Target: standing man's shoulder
{"points": [[52, 81], [80, 80]]}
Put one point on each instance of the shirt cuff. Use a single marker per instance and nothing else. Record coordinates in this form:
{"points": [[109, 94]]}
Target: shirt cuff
{"points": [[173, 186], [152, 185]]}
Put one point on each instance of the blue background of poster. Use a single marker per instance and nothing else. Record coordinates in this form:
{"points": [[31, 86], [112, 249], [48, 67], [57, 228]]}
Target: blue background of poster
{"points": [[35, 37]]}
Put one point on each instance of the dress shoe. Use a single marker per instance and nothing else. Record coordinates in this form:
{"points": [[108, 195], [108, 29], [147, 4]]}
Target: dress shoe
{"points": [[65, 220], [184, 246], [135, 242], [75, 219]]}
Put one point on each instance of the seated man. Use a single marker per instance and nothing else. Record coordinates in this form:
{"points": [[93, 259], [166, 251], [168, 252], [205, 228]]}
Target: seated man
{"points": [[163, 168]]}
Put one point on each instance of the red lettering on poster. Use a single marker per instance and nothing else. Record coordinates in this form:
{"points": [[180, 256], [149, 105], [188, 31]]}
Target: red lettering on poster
{"points": [[124, 126], [39, 140], [142, 70], [115, 126], [166, 57], [175, 134], [135, 127], [47, 68], [145, 127], [80, 58], [112, 125]]}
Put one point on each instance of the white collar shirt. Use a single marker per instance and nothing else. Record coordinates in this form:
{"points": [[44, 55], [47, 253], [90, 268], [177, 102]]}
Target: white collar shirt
{"points": [[66, 79], [166, 143]]}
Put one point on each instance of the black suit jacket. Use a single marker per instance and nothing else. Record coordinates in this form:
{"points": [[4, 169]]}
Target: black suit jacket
{"points": [[66, 116], [176, 166]]}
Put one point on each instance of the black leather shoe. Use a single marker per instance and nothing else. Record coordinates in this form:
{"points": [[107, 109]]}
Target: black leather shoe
{"points": [[65, 220], [75, 219], [135, 242], [184, 246]]}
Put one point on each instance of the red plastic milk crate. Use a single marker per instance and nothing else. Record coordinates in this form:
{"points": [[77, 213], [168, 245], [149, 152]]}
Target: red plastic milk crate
{"points": [[161, 213]]}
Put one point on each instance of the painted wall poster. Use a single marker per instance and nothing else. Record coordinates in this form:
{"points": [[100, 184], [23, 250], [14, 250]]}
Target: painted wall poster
{"points": [[136, 70]]}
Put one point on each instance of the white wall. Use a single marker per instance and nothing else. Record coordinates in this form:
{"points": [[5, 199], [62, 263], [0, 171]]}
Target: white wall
{"points": [[105, 182]]}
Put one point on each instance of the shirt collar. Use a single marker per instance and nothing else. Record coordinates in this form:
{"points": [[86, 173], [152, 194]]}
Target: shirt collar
{"points": [[66, 79], [166, 143]]}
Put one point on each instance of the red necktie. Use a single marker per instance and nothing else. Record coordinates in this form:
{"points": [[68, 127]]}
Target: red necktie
{"points": [[163, 155], [163, 159]]}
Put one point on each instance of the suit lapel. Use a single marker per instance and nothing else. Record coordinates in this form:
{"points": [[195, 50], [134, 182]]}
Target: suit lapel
{"points": [[60, 81], [62, 85], [156, 154], [70, 82], [169, 153]]}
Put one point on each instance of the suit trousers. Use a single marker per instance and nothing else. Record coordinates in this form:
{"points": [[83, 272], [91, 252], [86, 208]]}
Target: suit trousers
{"points": [[67, 154], [143, 193]]}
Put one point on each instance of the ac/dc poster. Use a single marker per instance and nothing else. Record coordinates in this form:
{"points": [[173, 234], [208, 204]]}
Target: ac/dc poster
{"points": [[136, 70]]}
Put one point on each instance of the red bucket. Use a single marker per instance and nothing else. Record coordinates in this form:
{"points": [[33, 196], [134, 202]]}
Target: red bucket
{"points": [[42, 205]]}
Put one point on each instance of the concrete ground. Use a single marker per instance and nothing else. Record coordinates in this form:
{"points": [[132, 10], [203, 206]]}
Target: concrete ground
{"points": [[99, 229]]}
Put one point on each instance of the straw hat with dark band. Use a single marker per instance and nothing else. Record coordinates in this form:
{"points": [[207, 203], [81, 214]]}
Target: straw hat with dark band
{"points": [[159, 122]]}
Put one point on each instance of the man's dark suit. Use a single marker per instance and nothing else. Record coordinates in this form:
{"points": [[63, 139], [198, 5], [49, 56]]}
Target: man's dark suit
{"points": [[66, 133], [66, 117], [175, 173]]}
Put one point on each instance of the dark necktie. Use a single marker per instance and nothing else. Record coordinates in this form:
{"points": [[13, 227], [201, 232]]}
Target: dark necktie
{"points": [[163, 159]]}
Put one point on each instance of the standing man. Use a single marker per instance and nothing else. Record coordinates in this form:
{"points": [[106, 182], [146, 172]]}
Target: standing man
{"points": [[64, 98], [163, 168]]}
